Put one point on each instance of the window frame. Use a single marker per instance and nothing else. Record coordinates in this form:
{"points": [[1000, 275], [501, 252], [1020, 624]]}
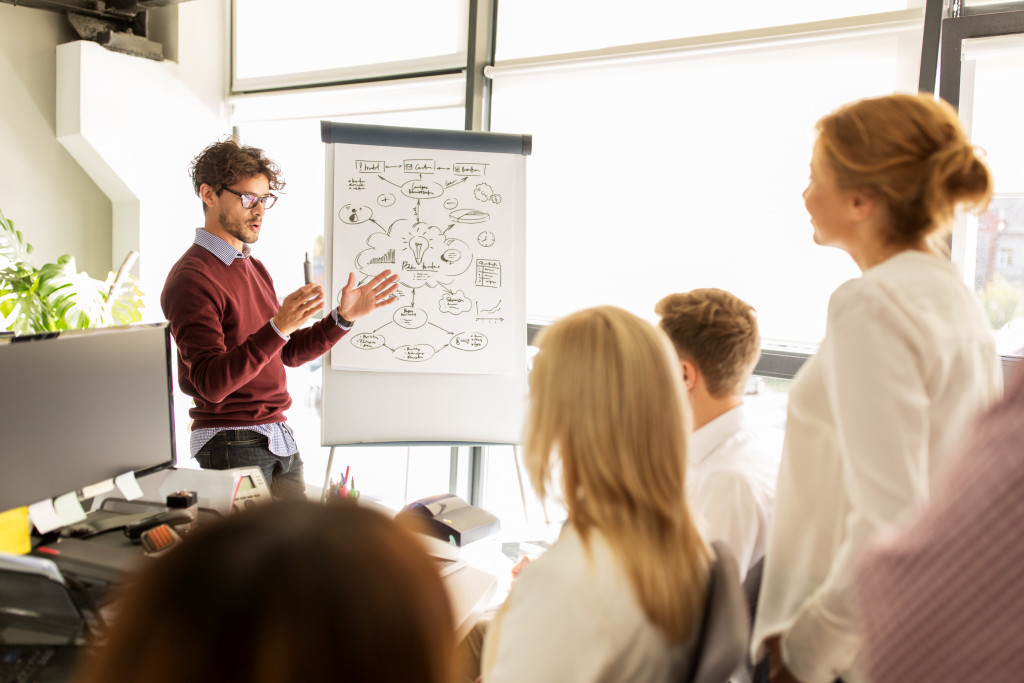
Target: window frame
{"points": [[436, 65], [957, 25]]}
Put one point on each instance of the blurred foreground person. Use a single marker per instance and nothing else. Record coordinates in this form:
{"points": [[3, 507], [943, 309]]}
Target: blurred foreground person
{"points": [[942, 600], [285, 592]]}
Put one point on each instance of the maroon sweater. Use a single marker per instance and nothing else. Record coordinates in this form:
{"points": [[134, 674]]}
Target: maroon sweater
{"points": [[230, 358]]}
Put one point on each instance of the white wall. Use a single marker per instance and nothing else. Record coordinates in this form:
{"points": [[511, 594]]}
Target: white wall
{"points": [[134, 124], [50, 198]]}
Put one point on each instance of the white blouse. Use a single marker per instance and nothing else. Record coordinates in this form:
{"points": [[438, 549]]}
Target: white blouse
{"points": [[572, 616], [908, 361]]}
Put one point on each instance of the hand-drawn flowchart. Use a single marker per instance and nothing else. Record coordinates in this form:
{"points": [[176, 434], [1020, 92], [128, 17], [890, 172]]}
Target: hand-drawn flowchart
{"points": [[441, 224]]}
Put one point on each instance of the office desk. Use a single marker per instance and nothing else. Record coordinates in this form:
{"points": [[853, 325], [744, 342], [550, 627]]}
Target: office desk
{"points": [[470, 591], [483, 587]]}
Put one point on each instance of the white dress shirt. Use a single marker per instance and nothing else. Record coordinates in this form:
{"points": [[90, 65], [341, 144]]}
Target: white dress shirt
{"points": [[572, 616], [908, 361], [730, 483]]}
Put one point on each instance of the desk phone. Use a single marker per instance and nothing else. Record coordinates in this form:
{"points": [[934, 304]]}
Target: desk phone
{"points": [[250, 488]]}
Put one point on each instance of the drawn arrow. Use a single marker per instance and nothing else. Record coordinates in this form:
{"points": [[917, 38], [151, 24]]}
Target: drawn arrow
{"points": [[447, 229], [383, 326], [441, 328], [388, 181], [445, 288], [386, 231], [455, 182]]}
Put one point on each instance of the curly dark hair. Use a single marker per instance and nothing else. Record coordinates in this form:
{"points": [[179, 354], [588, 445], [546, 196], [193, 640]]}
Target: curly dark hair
{"points": [[226, 162]]}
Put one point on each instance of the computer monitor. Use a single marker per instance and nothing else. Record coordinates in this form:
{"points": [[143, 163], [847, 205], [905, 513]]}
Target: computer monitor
{"points": [[81, 407]]}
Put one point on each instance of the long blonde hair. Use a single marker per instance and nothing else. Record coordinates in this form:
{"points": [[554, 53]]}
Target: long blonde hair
{"points": [[608, 411]]}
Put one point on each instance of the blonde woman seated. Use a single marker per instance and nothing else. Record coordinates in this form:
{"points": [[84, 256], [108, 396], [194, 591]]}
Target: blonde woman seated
{"points": [[619, 596]]}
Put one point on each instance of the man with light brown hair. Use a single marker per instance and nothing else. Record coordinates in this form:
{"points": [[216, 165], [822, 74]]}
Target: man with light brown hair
{"points": [[732, 469]]}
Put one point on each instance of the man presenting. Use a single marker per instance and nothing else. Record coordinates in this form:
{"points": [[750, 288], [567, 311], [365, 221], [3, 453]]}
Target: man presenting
{"points": [[731, 473], [232, 335]]}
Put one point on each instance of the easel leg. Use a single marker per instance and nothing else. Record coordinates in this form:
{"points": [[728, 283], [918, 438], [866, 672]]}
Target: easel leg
{"points": [[327, 476]]}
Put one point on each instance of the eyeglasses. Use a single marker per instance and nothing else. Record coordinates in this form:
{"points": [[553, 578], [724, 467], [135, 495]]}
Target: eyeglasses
{"points": [[249, 200]]}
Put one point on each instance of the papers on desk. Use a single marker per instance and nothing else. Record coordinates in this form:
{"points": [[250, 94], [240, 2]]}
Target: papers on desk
{"points": [[44, 516], [69, 509], [128, 486], [50, 515]]}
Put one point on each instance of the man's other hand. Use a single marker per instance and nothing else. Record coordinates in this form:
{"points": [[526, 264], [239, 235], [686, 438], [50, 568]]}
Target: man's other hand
{"points": [[297, 308]]}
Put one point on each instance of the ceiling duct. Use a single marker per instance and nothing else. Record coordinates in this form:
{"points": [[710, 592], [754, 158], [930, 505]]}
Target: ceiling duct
{"points": [[118, 25]]}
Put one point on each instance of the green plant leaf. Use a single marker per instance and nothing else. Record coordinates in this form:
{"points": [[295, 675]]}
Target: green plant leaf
{"points": [[56, 296], [15, 252]]}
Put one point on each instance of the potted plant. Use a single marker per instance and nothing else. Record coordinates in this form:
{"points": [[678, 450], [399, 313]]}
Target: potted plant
{"points": [[56, 296]]}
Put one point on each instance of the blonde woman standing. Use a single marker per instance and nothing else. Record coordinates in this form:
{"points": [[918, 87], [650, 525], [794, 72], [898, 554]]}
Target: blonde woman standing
{"points": [[619, 596], [907, 362]]}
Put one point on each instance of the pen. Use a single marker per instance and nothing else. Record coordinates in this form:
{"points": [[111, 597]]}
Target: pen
{"points": [[307, 269]]}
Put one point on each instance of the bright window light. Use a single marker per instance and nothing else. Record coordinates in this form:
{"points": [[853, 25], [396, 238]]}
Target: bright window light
{"points": [[687, 173]]}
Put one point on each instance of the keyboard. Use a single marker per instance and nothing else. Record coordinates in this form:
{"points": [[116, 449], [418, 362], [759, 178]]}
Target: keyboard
{"points": [[20, 664]]}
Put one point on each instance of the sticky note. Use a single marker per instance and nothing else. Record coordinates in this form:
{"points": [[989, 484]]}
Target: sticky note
{"points": [[44, 516], [68, 508], [14, 532], [128, 486]]}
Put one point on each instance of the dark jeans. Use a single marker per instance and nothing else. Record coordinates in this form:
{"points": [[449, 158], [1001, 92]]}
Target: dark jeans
{"points": [[245, 448]]}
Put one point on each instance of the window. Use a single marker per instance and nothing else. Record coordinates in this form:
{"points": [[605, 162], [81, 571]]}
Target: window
{"points": [[989, 50], [661, 173], [580, 25], [309, 42], [671, 147]]}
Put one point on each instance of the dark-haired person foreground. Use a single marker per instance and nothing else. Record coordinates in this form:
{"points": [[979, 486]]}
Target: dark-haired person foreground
{"points": [[285, 592], [907, 363], [233, 336]]}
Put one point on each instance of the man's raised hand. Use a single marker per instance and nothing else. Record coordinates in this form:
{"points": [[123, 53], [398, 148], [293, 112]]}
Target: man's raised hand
{"points": [[368, 297]]}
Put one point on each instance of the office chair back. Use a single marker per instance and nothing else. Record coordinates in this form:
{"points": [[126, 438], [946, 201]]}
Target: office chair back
{"points": [[725, 627]]}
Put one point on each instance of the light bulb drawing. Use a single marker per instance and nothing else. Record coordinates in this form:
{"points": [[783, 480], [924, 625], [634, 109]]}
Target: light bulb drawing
{"points": [[419, 246]]}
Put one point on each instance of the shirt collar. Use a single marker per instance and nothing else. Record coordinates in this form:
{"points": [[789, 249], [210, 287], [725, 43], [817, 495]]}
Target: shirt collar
{"points": [[217, 246], [705, 440]]}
